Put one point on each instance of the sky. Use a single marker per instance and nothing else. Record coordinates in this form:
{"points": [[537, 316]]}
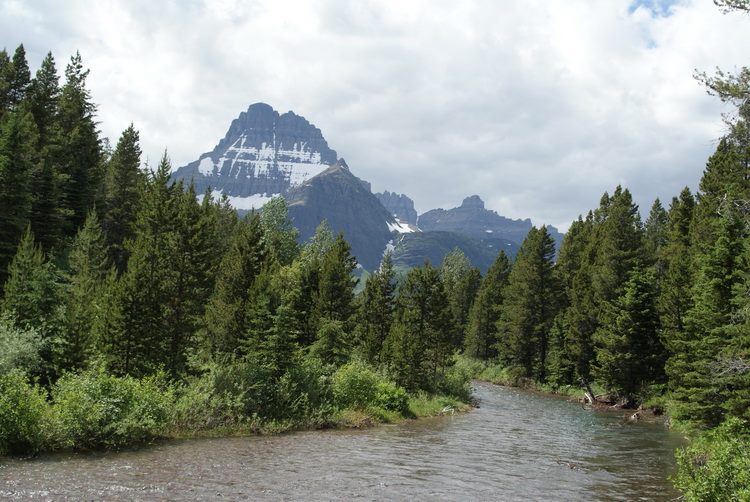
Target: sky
{"points": [[538, 106]]}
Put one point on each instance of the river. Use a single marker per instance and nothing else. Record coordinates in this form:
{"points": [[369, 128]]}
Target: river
{"points": [[516, 446]]}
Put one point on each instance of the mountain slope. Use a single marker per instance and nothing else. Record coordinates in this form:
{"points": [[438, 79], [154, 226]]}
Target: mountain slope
{"points": [[342, 199]]}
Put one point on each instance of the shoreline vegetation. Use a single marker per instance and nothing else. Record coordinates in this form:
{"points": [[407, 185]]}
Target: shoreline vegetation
{"points": [[93, 411]]}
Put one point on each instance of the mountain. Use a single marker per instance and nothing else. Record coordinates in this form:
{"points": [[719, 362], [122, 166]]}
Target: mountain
{"points": [[263, 154], [472, 219], [411, 250], [346, 203], [399, 205], [266, 154]]}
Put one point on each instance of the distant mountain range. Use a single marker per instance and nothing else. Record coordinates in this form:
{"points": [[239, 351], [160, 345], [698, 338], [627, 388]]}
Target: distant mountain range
{"points": [[265, 154]]}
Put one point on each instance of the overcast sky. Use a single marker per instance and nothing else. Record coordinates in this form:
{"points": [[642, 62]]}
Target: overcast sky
{"points": [[537, 106]]}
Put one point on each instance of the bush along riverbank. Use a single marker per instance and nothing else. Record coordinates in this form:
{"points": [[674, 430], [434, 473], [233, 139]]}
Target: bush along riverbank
{"points": [[95, 410]]}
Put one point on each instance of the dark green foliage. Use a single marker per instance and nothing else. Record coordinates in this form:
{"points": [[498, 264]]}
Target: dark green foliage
{"points": [[332, 344], [531, 302], [629, 354], [576, 349], [89, 266], [696, 387], [335, 296], [655, 233], [481, 334], [226, 319], [376, 311], [20, 79], [17, 160], [138, 345], [419, 347], [43, 97], [80, 152], [123, 184], [6, 72], [461, 282], [32, 298]]}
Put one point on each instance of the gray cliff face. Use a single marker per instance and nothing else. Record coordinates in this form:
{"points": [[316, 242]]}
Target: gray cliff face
{"points": [[262, 154], [473, 220], [399, 205], [344, 201]]}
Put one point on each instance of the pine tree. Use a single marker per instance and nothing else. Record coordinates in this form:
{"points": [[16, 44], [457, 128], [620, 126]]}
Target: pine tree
{"points": [[629, 354], [281, 235], [17, 157], [571, 346], [461, 282], [696, 389], [376, 311], [281, 348], [43, 97], [332, 344], [226, 319], [89, 267], [31, 297], [481, 335], [723, 183], [6, 73], [20, 79], [46, 213], [123, 184], [335, 296], [675, 299], [418, 349], [655, 234], [145, 291], [618, 242], [80, 153], [531, 303]]}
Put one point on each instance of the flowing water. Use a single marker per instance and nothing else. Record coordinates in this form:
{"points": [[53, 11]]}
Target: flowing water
{"points": [[516, 446]]}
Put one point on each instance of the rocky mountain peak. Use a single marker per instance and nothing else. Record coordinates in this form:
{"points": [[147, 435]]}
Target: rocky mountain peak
{"points": [[263, 154], [399, 205], [473, 202]]}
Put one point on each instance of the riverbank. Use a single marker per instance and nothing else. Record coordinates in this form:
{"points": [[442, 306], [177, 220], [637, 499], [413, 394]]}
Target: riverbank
{"points": [[93, 410], [515, 446], [503, 376]]}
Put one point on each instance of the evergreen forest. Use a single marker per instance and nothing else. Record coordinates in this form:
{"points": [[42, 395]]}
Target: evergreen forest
{"points": [[134, 308]]}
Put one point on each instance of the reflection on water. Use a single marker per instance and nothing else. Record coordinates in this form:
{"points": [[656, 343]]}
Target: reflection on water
{"points": [[516, 446]]}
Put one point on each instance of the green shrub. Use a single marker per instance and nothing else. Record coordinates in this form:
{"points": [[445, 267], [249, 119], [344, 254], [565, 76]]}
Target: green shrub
{"points": [[716, 467], [94, 409], [19, 348], [456, 382], [198, 407], [355, 385], [22, 414], [391, 397]]}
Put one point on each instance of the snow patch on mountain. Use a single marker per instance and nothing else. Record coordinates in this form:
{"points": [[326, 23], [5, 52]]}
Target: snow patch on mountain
{"points": [[401, 228], [255, 201]]}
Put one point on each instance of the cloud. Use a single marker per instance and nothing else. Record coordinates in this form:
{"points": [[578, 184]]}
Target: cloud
{"points": [[537, 106]]}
